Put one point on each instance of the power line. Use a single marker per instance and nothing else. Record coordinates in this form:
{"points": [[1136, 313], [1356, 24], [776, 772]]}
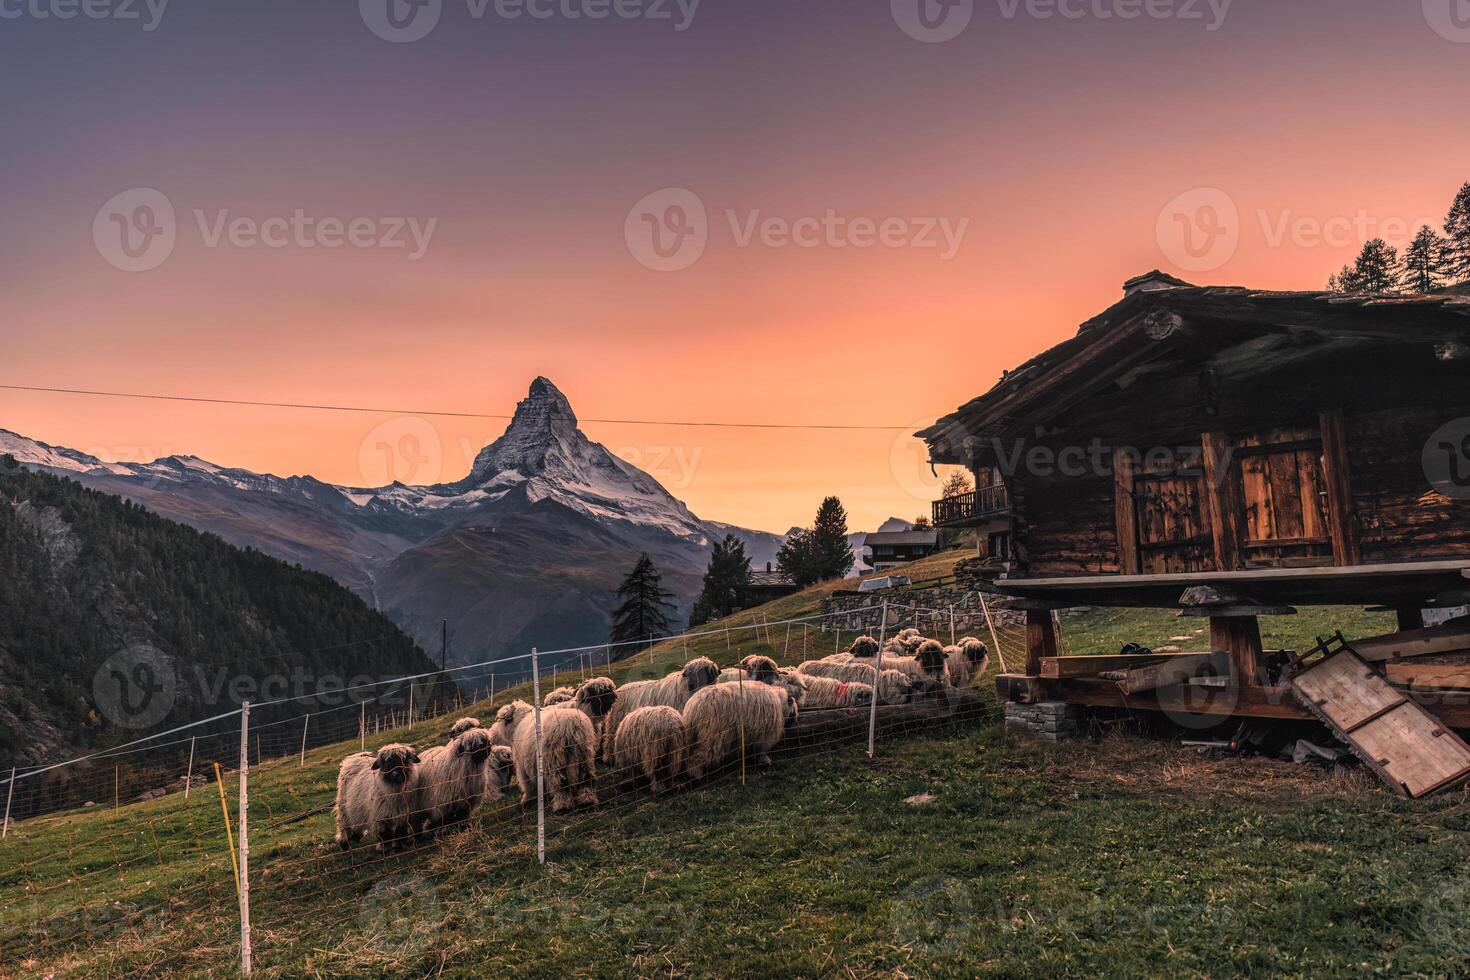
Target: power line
{"points": [[457, 415]]}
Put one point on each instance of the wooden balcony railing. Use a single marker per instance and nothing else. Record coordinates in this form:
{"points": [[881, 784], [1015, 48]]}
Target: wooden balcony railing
{"points": [[969, 508]]}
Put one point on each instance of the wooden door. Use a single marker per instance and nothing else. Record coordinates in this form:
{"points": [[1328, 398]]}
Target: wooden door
{"points": [[1172, 516], [1284, 497]]}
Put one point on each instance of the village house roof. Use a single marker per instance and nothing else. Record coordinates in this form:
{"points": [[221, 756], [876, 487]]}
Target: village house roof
{"points": [[901, 538], [1160, 314]]}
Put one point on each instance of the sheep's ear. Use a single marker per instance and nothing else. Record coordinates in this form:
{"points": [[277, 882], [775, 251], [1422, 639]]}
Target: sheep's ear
{"points": [[377, 764], [413, 756]]}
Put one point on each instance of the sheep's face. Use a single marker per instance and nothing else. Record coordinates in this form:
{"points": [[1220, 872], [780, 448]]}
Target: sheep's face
{"points": [[792, 711], [864, 646], [502, 766], [759, 668], [597, 696], [861, 697], [700, 672], [930, 656], [394, 763], [975, 651], [474, 744]]}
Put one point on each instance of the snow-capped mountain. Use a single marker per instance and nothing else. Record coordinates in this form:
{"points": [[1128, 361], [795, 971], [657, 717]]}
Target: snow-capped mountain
{"points": [[526, 549]]}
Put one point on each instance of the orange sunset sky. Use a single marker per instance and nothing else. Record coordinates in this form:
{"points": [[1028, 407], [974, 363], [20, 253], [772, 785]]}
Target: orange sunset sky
{"points": [[1060, 141]]}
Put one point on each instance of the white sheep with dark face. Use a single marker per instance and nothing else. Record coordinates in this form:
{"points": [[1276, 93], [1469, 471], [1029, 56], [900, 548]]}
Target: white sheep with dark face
{"points": [[375, 796], [451, 780]]}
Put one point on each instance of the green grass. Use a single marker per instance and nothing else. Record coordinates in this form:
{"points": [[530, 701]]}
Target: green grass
{"points": [[1119, 857]]}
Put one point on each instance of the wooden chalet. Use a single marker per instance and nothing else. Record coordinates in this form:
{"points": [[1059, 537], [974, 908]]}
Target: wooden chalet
{"points": [[1229, 453], [888, 549]]}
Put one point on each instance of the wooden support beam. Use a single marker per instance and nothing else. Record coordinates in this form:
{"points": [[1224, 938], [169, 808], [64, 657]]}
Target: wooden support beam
{"points": [[1223, 495], [1041, 640], [1176, 671], [1240, 638], [1451, 708], [1422, 676], [1341, 514], [1125, 514], [1053, 668], [1409, 617]]}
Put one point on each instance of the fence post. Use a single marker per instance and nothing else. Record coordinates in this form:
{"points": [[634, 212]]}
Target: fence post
{"points": [[994, 637], [877, 678], [244, 837], [9, 795], [362, 726], [304, 723], [951, 624], [410, 702], [540, 781], [188, 773]]}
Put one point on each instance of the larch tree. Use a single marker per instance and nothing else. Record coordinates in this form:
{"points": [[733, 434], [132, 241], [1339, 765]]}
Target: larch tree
{"points": [[1425, 261], [1457, 234]]}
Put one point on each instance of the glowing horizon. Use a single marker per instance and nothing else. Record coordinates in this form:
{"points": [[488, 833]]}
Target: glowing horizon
{"points": [[1046, 157]]}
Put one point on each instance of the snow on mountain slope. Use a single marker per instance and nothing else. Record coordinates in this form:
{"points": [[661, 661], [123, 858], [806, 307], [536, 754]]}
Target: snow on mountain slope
{"points": [[539, 531]]}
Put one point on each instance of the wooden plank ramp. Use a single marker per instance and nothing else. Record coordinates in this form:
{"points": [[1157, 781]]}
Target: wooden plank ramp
{"points": [[1404, 744]]}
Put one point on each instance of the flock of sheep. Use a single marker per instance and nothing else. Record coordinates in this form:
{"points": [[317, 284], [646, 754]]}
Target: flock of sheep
{"points": [[660, 732]]}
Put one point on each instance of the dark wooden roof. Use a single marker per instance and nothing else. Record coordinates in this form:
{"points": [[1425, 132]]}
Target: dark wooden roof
{"points": [[1240, 330]]}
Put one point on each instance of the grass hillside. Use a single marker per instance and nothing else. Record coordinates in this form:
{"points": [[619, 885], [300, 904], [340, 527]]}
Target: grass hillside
{"points": [[956, 852]]}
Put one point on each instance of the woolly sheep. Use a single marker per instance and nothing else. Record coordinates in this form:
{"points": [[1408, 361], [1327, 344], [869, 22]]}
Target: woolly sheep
{"points": [[451, 780], [568, 743], [375, 795], [596, 698], [650, 744], [894, 686], [501, 768], [863, 646], [965, 660], [824, 692], [672, 691], [507, 720], [463, 725], [558, 696], [719, 717]]}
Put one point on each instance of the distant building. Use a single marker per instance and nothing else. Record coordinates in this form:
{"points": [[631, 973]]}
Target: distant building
{"points": [[768, 585], [890, 548]]}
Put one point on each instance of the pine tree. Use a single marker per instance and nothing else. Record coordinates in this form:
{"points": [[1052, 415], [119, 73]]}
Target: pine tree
{"points": [[1376, 269], [1457, 231], [957, 483], [1343, 281], [831, 552], [796, 559], [1424, 261], [644, 612], [726, 582]]}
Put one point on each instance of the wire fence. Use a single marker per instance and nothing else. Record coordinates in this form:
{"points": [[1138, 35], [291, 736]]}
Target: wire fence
{"points": [[252, 833]]}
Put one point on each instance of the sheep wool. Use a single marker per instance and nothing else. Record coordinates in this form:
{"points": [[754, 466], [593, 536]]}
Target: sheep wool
{"points": [[824, 692], [375, 795], [558, 696], [720, 717], [507, 720], [463, 725], [451, 780], [672, 691], [568, 743], [650, 745]]}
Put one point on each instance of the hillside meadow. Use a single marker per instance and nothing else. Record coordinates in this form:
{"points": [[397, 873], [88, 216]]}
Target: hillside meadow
{"points": [[956, 852]]}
